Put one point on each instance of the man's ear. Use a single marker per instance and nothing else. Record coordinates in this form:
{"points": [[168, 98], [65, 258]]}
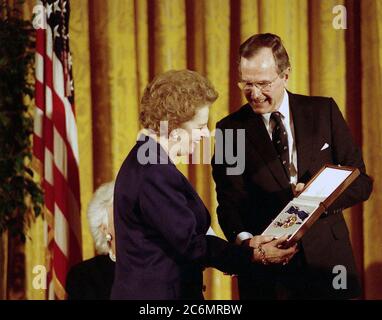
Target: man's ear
{"points": [[286, 75], [103, 228]]}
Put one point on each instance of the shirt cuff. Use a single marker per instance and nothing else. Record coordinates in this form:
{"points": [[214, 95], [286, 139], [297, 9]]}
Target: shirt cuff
{"points": [[243, 236], [211, 232]]}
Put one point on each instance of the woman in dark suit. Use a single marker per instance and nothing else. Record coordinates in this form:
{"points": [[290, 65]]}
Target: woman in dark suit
{"points": [[92, 279], [161, 223]]}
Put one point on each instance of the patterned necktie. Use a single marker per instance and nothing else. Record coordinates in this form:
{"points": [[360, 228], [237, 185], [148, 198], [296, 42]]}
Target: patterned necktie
{"points": [[280, 141]]}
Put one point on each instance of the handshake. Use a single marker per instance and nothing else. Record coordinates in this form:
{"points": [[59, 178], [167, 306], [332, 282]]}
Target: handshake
{"points": [[268, 250]]}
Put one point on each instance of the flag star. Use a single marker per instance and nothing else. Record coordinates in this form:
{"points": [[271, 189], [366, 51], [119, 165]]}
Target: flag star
{"points": [[49, 9], [64, 7], [70, 60], [57, 6], [56, 34], [72, 85]]}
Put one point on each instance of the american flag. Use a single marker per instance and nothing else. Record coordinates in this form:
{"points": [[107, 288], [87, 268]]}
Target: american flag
{"points": [[55, 144]]}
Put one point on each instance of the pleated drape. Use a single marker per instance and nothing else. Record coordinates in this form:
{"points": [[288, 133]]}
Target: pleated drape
{"points": [[371, 79]]}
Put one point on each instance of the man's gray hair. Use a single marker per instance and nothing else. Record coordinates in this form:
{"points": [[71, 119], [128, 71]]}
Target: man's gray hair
{"points": [[98, 215]]}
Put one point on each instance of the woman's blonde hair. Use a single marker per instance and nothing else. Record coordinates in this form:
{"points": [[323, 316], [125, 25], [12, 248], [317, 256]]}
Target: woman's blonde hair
{"points": [[174, 96]]}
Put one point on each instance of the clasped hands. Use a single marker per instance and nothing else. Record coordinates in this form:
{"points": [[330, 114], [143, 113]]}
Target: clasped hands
{"points": [[268, 250]]}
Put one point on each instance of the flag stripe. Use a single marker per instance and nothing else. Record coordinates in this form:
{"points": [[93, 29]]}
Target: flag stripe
{"points": [[39, 71], [49, 196], [48, 102], [38, 122], [60, 154], [60, 264], [40, 44], [38, 144], [48, 169], [60, 234]]}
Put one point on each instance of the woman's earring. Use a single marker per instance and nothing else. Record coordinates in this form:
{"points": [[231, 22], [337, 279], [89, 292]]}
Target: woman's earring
{"points": [[112, 256], [175, 136], [109, 237]]}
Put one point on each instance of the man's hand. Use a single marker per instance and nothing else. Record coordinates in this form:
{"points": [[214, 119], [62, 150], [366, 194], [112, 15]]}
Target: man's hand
{"points": [[268, 250], [297, 188], [259, 240], [275, 254]]}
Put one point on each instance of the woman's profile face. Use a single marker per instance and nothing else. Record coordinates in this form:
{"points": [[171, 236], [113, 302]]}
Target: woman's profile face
{"points": [[194, 130]]}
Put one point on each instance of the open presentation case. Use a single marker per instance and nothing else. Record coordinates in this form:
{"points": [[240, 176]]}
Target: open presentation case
{"points": [[316, 197]]}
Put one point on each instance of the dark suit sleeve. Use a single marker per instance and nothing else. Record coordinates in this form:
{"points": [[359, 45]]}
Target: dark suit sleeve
{"points": [[164, 207], [232, 196], [346, 153], [228, 257], [77, 285]]}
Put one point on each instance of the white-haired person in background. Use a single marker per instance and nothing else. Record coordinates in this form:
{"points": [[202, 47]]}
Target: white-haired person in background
{"points": [[92, 279]]}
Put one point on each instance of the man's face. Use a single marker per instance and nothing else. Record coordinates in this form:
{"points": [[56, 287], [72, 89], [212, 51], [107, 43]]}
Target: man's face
{"points": [[261, 69]]}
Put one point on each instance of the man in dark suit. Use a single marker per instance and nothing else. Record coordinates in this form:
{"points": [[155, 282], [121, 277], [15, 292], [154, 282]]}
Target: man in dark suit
{"points": [[288, 138]]}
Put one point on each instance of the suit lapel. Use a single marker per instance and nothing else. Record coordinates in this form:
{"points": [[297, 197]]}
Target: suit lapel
{"points": [[303, 122], [258, 135]]}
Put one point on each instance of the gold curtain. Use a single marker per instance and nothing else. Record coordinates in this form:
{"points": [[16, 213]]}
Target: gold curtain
{"points": [[371, 44], [118, 46]]}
